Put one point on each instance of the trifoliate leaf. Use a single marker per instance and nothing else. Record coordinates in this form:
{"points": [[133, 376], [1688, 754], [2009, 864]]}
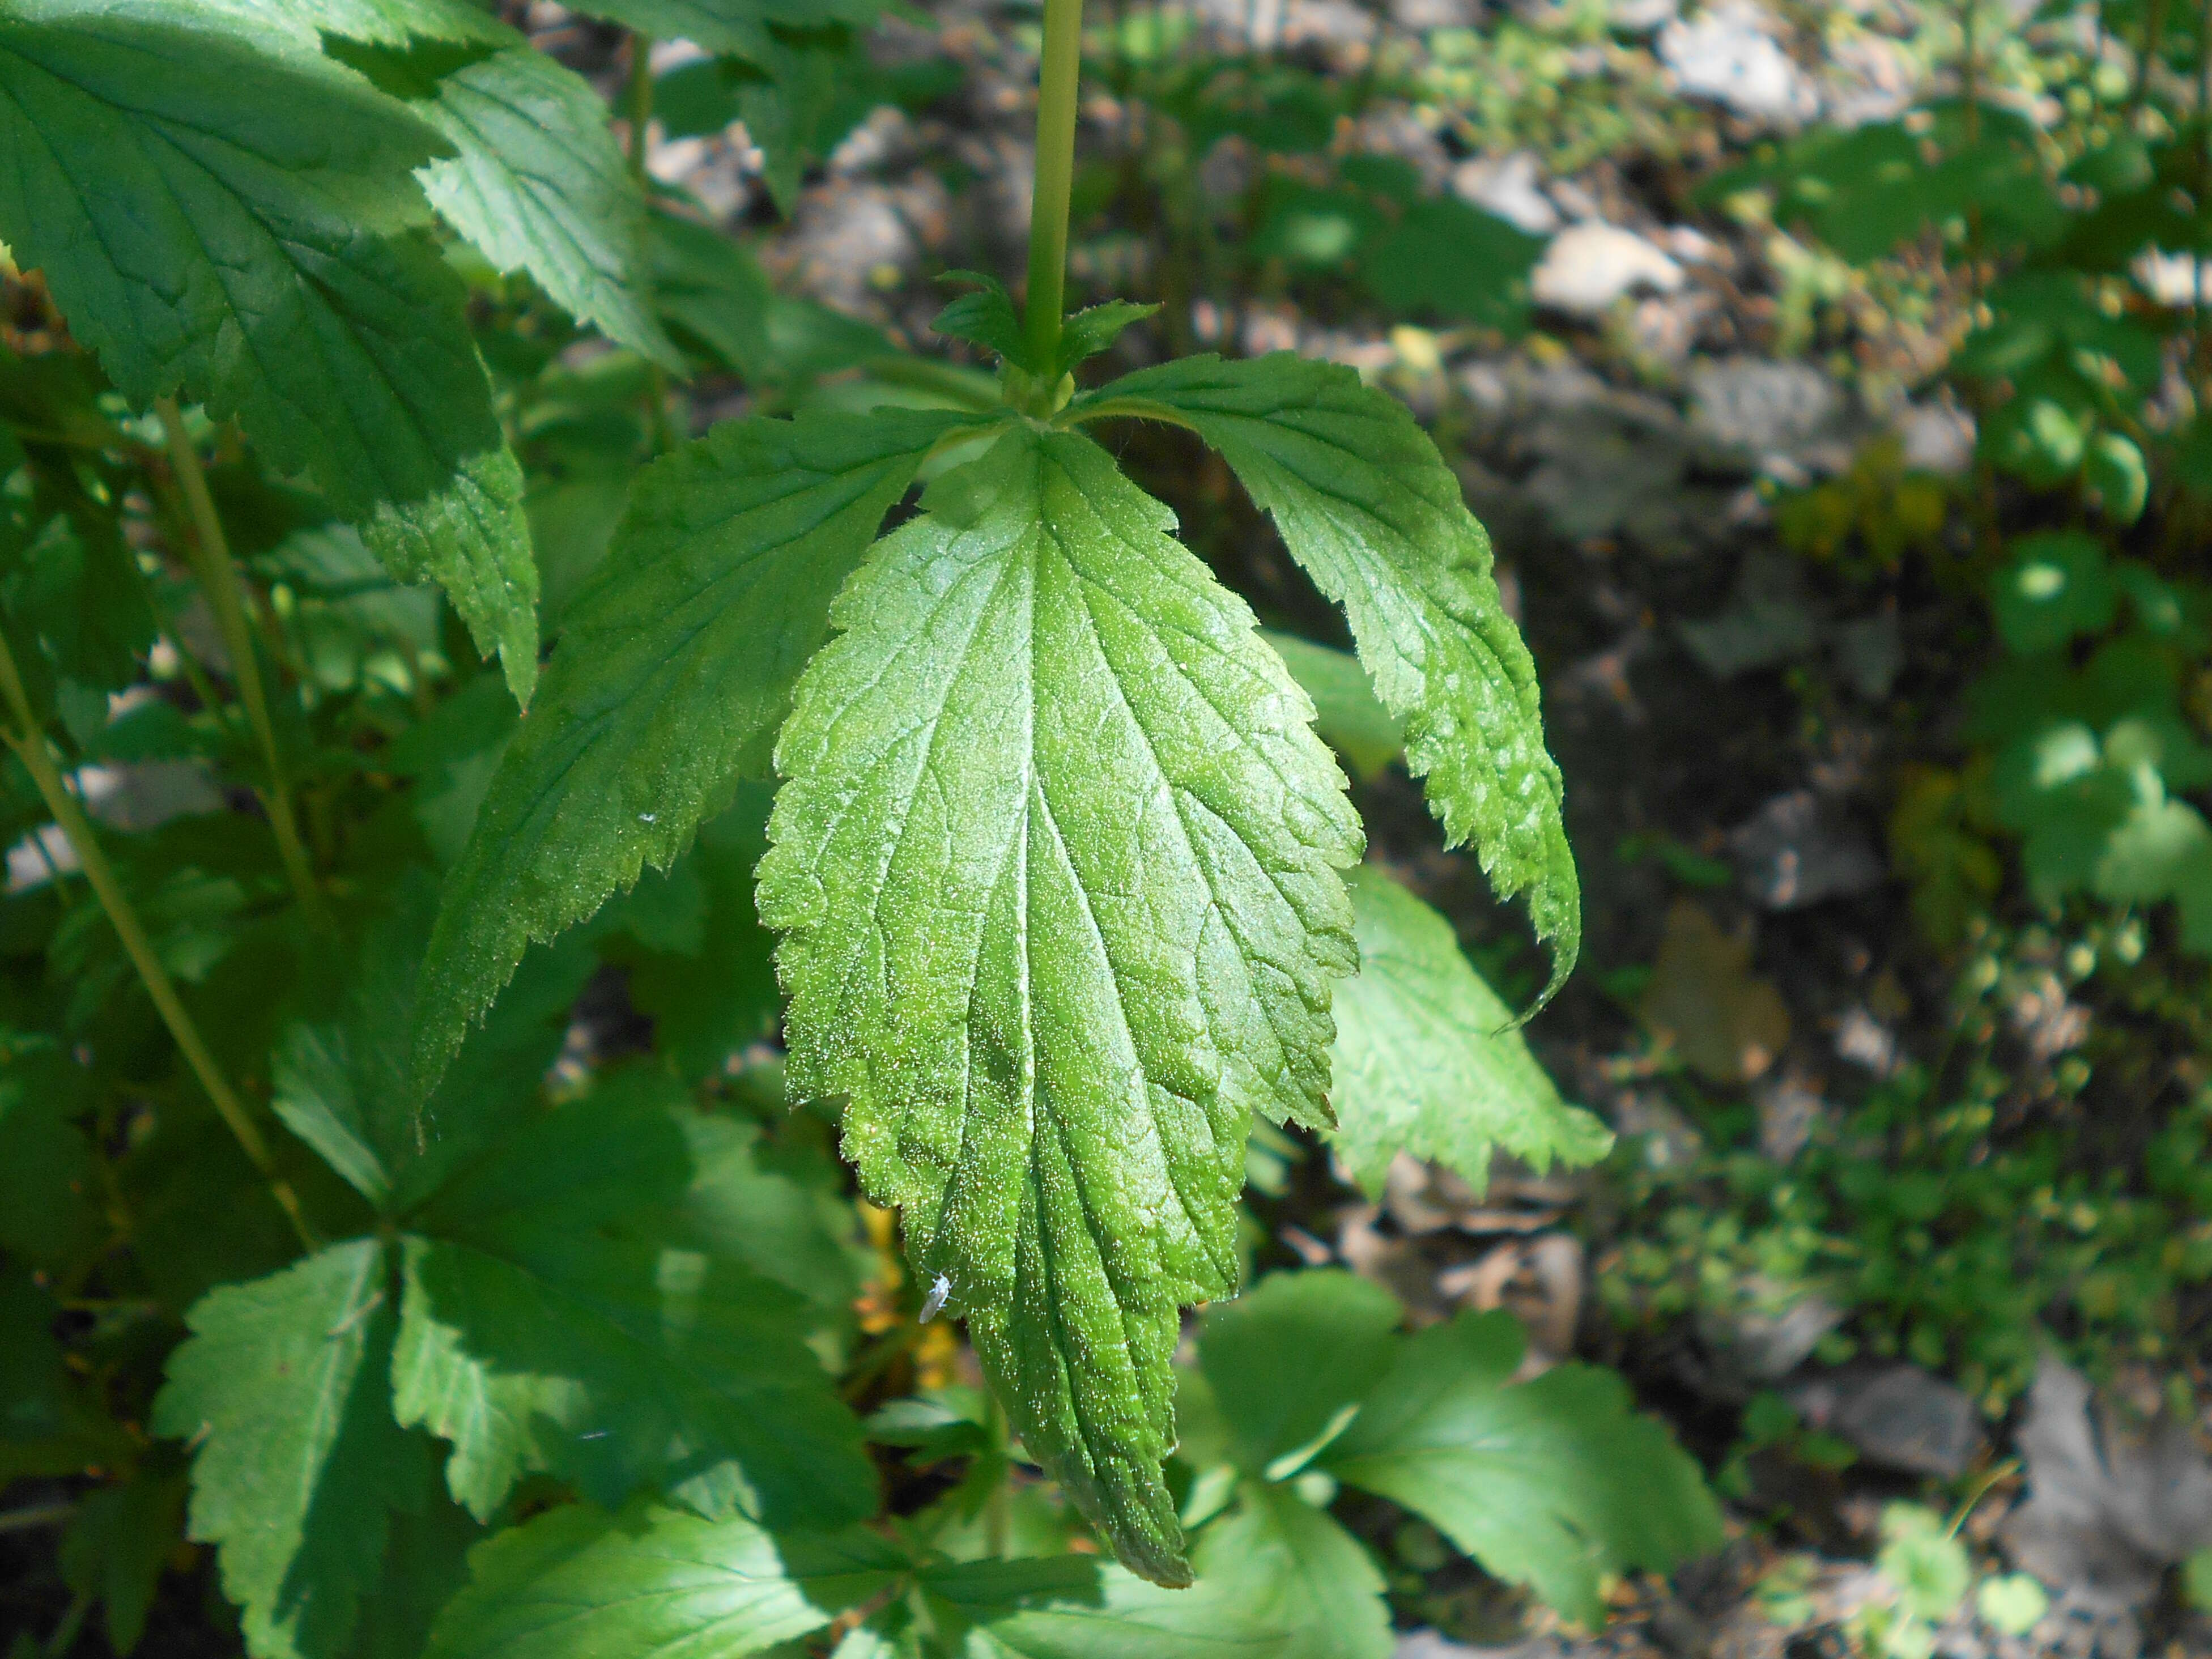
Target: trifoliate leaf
{"points": [[1303, 1575], [560, 1315], [1551, 1483], [283, 1386], [1345, 710], [1425, 1060], [1290, 1362], [652, 1583], [232, 214], [538, 183], [674, 668], [1054, 867], [1366, 505], [1076, 1607]]}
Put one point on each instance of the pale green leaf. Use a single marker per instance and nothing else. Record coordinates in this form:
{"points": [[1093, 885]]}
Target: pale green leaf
{"points": [[1551, 1483], [382, 22], [1053, 865], [219, 209], [282, 1388], [1367, 506], [1289, 1362], [564, 1313], [538, 183], [1426, 1061], [675, 665], [1303, 1575], [1346, 711], [1076, 1607], [652, 1583]]}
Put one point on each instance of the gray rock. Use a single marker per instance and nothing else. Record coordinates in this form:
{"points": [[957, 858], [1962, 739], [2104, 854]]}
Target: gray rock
{"points": [[1766, 412], [1589, 266], [1938, 437], [1768, 621], [1789, 1110], [1898, 1416], [1794, 852], [1870, 653], [1509, 186], [1729, 54], [1771, 1331], [2112, 1502], [1642, 16]]}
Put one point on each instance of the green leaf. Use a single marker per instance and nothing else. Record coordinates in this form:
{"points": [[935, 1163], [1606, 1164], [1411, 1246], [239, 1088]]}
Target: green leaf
{"points": [[1093, 330], [1924, 1559], [1366, 505], [49, 1177], [1551, 1483], [1289, 1363], [674, 669], [117, 1543], [538, 183], [983, 317], [383, 22], [1054, 868], [1303, 1575], [282, 1388], [1345, 710], [2057, 586], [1426, 1061], [232, 214], [2014, 1604], [733, 26], [1076, 1607], [652, 1583], [563, 1315]]}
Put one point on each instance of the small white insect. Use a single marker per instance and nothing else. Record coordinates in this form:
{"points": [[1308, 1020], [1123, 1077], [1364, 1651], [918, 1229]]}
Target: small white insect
{"points": [[647, 818], [935, 1300]]}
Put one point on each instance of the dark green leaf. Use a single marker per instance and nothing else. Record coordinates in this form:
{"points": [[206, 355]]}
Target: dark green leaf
{"points": [[117, 1543], [674, 668], [283, 1389], [224, 211], [1076, 1607], [1054, 868]]}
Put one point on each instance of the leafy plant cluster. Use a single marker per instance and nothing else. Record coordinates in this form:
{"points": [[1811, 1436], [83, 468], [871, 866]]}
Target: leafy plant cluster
{"points": [[352, 1226]]}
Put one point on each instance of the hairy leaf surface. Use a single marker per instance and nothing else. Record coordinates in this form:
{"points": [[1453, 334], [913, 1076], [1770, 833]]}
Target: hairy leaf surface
{"points": [[283, 1385], [1367, 506], [652, 1583], [1551, 1483], [233, 215], [1054, 867], [675, 666], [1424, 1061]]}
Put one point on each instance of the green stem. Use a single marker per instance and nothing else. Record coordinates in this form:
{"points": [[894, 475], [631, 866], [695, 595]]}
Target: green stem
{"points": [[24, 737], [637, 111], [218, 578], [1057, 76]]}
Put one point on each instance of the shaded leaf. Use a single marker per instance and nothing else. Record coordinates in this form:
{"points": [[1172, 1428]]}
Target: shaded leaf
{"points": [[1345, 710], [1302, 1574], [1290, 1361], [231, 213], [675, 666]]}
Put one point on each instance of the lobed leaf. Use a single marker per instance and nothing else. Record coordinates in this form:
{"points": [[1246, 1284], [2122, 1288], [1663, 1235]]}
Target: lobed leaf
{"points": [[1425, 1061], [233, 215], [1367, 506], [1290, 1361], [1304, 1575], [1552, 1483], [1076, 1607], [562, 1313], [281, 1386], [1054, 870], [652, 1583], [674, 669]]}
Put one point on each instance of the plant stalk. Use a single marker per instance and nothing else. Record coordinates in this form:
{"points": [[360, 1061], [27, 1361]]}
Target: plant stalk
{"points": [[1058, 73], [218, 577], [637, 111], [24, 737]]}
